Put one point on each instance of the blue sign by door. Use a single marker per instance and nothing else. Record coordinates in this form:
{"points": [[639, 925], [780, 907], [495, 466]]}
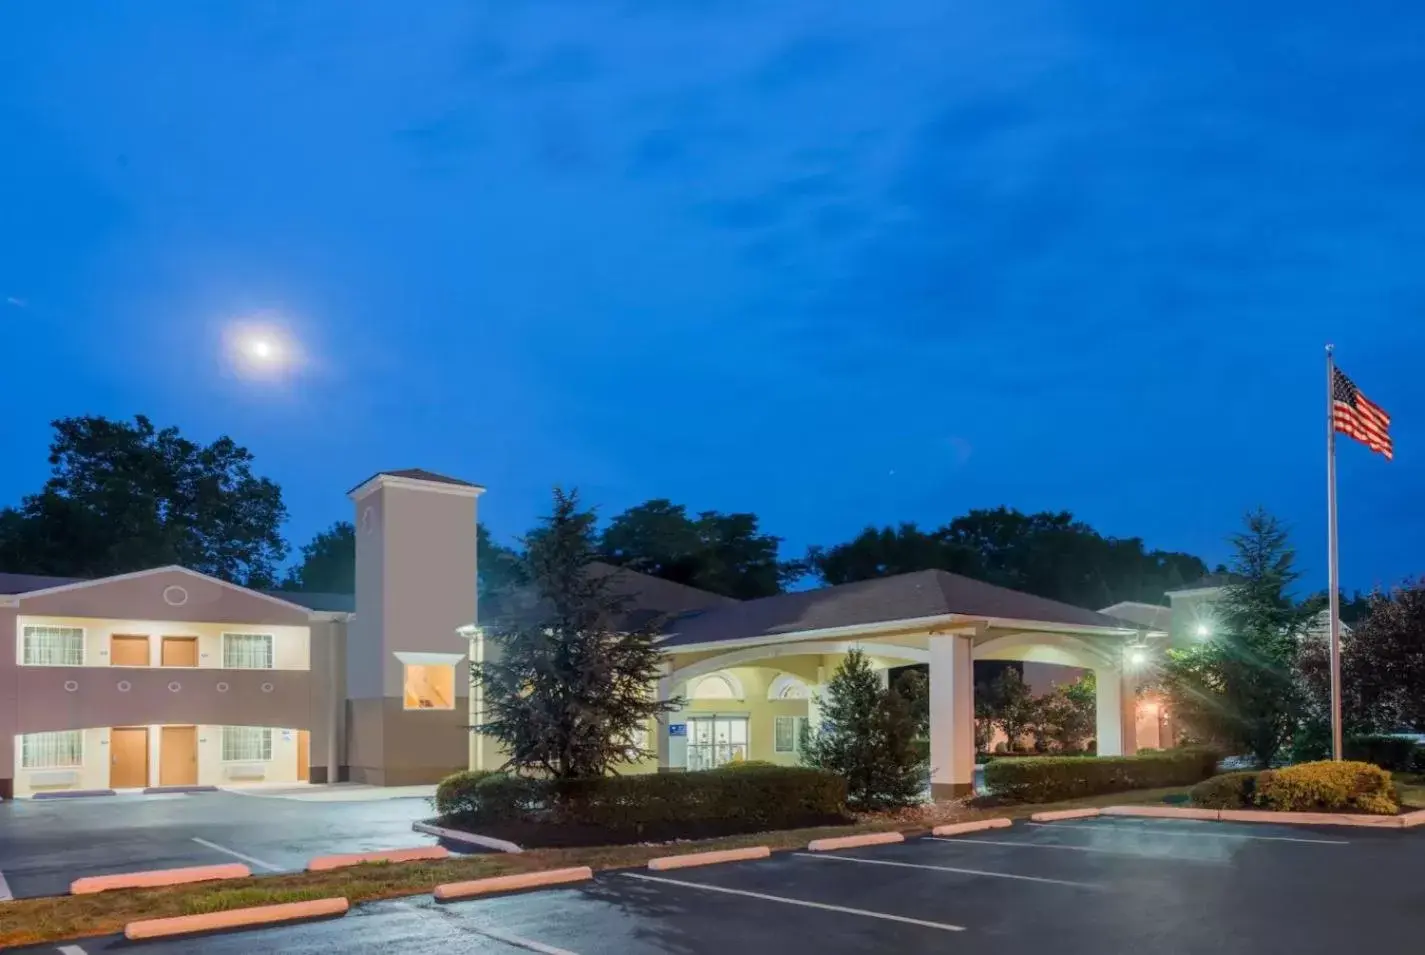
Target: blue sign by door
{"points": [[677, 729]]}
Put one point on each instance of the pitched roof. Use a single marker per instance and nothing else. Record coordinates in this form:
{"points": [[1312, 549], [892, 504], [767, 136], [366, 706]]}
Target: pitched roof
{"points": [[924, 593], [325, 603], [24, 583], [1207, 583], [1141, 614], [650, 598], [418, 474]]}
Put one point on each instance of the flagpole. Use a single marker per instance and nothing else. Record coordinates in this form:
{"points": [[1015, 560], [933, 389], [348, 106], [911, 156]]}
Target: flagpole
{"points": [[1333, 563]]}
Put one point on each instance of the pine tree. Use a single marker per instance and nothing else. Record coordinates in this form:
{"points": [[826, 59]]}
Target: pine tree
{"points": [[568, 676], [1241, 688], [868, 736]]}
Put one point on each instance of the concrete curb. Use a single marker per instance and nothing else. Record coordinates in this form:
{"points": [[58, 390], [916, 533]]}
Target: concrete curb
{"points": [[160, 790], [74, 794], [451, 891], [1412, 819], [469, 838], [852, 842], [1312, 818], [1059, 814], [960, 828], [422, 854], [235, 918], [1162, 812], [690, 859], [156, 877]]}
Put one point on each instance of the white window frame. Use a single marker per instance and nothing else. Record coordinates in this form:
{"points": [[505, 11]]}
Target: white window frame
{"points": [[798, 722], [31, 629], [271, 651], [264, 734], [69, 742]]}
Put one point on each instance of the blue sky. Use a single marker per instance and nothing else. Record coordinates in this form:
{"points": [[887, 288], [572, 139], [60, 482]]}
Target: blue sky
{"points": [[834, 263]]}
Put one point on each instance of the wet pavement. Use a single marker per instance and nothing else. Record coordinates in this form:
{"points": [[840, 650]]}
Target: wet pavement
{"points": [[46, 844], [1099, 886]]}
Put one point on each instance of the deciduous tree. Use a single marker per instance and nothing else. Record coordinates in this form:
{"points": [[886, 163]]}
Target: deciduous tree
{"points": [[125, 496]]}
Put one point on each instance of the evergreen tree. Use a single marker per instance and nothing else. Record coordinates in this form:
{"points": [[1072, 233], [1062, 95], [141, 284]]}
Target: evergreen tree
{"points": [[1068, 715], [1011, 706], [568, 675], [868, 736], [1240, 688]]}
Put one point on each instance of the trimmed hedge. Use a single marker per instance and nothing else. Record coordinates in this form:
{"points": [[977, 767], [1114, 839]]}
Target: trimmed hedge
{"points": [[1226, 791], [1328, 787], [1052, 778], [1395, 753], [743, 799]]}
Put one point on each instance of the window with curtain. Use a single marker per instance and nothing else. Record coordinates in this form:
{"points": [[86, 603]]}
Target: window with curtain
{"points": [[53, 646], [247, 651], [247, 744], [52, 750], [789, 734]]}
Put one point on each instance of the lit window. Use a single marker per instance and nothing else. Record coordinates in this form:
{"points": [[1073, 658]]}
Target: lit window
{"points": [[52, 750], [789, 734], [430, 686], [247, 744], [247, 651], [53, 646]]}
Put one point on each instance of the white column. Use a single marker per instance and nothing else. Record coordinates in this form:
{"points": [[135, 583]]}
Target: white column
{"points": [[816, 695], [672, 753], [1116, 710], [952, 717]]}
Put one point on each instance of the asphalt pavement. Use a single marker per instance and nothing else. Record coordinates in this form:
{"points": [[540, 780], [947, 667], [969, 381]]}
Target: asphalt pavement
{"points": [[1099, 886], [46, 844]]}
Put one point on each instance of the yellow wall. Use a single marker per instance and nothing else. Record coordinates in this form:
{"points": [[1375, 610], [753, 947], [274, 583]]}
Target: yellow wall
{"points": [[290, 645]]}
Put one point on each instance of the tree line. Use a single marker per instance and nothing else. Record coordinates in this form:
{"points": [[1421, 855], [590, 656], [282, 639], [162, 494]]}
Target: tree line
{"points": [[126, 495]]}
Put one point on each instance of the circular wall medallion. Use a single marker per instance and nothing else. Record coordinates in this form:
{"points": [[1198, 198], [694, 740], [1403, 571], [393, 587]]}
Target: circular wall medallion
{"points": [[71, 685], [267, 688], [174, 687], [222, 688], [175, 596], [124, 686]]}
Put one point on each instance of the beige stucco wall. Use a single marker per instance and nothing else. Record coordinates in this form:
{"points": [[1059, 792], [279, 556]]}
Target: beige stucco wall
{"points": [[290, 644], [212, 771]]}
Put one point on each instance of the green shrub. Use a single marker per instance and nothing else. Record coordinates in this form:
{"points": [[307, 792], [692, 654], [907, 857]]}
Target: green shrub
{"points": [[749, 764], [1227, 791], [1394, 753], [1051, 778], [1328, 787], [744, 798], [455, 796]]}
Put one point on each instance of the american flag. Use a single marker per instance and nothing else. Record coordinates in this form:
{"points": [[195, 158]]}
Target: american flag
{"points": [[1355, 415]]}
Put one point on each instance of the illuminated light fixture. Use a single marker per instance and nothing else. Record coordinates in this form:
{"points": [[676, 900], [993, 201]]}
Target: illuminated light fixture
{"points": [[1204, 631], [1137, 655]]}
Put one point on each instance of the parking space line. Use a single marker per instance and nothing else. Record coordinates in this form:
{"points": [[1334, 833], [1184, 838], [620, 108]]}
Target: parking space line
{"points": [[946, 868], [959, 841], [5, 895], [238, 855], [823, 906], [1194, 835], [517, 941]]}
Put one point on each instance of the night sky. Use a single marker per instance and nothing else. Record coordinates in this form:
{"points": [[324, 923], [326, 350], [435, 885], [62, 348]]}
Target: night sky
{"points": [[834, 263]]}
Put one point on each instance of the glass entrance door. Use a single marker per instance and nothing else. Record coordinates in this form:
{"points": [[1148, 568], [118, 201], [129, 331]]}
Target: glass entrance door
{"points": [[715, 741]]}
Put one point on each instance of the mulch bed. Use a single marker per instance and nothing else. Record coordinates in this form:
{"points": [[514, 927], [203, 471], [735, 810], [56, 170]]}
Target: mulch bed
{"points": [[528, 834]]}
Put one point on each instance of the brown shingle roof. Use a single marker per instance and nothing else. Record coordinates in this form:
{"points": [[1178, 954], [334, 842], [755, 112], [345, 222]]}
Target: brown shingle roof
{"points": [[924, 593], [650, 597], [24, 583]]}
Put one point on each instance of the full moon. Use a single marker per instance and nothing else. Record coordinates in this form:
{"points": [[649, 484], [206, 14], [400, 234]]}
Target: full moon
{"points": [[259, 351]]}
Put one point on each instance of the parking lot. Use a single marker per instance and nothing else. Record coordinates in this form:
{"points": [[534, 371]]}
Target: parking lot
{"points": [[1098, 886], [46, 844]]}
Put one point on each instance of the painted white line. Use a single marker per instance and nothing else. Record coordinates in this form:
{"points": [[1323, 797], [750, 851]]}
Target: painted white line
{"points": [[1197, 835], [517, 941], [71, 950], [960, 841], [238, 855], [5, 895], [884, 916], [946, 868]]}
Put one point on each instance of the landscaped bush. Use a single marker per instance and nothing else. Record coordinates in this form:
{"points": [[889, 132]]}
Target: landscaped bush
{"points": [[1395, 753], [1328, 787], [749, 764], [1226, 791], [1051, 778], [747, 798]]}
